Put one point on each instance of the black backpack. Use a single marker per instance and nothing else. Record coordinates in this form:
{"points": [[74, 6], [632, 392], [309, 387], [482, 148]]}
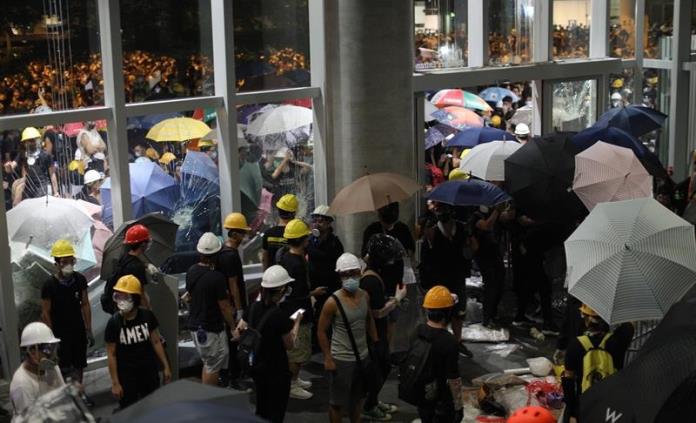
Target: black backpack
{"points": [[249, 344], [417, 385]]}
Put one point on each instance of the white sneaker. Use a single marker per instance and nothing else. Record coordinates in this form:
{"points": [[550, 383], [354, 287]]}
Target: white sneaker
{"points": [[298, 392], [304, 384]]}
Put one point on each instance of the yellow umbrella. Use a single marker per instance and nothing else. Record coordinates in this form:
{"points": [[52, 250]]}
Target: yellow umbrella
{"points": [[178, 129]]}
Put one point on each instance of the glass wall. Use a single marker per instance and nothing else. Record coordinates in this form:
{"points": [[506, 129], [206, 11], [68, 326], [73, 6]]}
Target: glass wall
{"points": [[574, 104], [49, 56], [621, 87], [167, 49], [658, 29], [271, 44], [440, 34], [510, 32], [656, 95], [622, 28], [571, 29]]}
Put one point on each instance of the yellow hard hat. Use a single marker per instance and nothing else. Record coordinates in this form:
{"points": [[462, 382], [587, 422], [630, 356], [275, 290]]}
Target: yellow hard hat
{"points": [[496, 121], [152, 153], [288, 202], [62, 248], [587, 310], [128, 284], [167, 158], [618, 83], [236, 221], [438, 297], [77, 166], [295, 229], [653, 80], [465, 152], [30, 133], [205, 143], [458, 175]]}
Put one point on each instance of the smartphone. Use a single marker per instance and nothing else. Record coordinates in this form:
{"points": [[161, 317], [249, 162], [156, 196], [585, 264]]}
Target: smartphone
{"points": [[296, 314]]}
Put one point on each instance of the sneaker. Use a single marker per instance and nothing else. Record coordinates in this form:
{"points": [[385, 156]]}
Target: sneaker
{"points": [[298, 392], [463, 350], [304, 384], [376, 415], [87, 400], [387, 408], [550, 329], [522, 322]]}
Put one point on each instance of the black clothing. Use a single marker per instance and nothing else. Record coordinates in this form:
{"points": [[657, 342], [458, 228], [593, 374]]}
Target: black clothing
{"points": [[380, 350], [400, 231], [322, 261], [272, 395], [444, 359], [272, 241], [66, 318], [299, 297], [85, 195], [38, 175], [137, 384], [132, 265], [573, 323], [134, 349], [375, 289], [206, 287], [230, 264], [447, 260], [490, 262], [273, 358]]}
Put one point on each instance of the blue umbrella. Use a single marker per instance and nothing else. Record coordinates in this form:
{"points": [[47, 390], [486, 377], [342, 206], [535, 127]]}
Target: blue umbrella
{"points": [[636, 120], [615, 136], [199, 177], [433, 137], [152, 190], [496, 94], [471, 137], [147, 122], [470, 192]]}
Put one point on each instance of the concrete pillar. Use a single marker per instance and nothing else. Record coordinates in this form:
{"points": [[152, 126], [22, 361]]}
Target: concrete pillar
{"points": [[678, 154], [368, 98]]}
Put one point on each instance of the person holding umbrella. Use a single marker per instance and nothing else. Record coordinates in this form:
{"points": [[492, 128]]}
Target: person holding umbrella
{"points": [[66, 310], [273, 239], [133, 346], [598, 338]]}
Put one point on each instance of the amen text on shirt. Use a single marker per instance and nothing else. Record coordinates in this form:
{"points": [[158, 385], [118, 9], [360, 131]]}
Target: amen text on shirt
{"points": [[135, 334]]}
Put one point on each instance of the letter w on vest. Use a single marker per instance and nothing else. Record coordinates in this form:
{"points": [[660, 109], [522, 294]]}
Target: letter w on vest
{"points": [[613, 416]]}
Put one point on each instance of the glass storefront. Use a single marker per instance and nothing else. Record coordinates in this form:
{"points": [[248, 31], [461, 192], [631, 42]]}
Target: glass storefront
{"points": [[574, 104], [658, 29], [510, 32], [440, 34], [571, 29], [621, 86], [622, 28]]}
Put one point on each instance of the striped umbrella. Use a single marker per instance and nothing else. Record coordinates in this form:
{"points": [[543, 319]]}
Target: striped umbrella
{"points": [[631, 260], [606, 172], [458, 117], [460, 98]]}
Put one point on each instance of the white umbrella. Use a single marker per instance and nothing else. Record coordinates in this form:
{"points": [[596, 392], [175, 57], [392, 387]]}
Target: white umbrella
{"points": [[487, 160], [524, 114], [285, 125], [631, 260], [606, 172]]}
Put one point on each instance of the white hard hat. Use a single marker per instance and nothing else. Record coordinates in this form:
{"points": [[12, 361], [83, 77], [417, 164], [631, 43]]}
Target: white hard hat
{"points": [[275, 276], [92, 176], [280, 154], [616, 96], [347, 262], [322, 210], [522, 129], [209, 244], [37, 333]]}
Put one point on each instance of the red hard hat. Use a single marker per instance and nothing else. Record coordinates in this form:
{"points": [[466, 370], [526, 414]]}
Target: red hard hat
{"points": [[532, 414], [136, 234]]}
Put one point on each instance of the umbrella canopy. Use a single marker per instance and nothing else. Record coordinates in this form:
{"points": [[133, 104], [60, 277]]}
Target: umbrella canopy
{"points": [[152, 190], [469, 192], [178, 129], [372, 192], [163, 235], [524, 114], [496, 94], [444, 98], [539, 176], [662, 368], [198, 411], [631, 260], [636, 120], [458, 117], [487, 161], [199, 177], [282, 126], [429, 109], [605, 172], [186, 392], [433, 137], [206, 115], [147, 122], [470, 137]]}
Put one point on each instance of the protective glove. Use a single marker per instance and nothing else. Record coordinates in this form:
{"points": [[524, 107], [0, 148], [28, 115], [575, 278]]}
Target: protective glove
{"points": [[90, 339]]}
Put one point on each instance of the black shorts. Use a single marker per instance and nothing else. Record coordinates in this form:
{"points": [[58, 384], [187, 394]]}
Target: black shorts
{"points": [[72, 351]]}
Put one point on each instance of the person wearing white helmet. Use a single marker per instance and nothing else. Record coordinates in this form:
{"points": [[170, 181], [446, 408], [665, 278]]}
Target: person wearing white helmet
{"points": [[209, 308], [279, 331], [38, 373], [616, 100], [90, 189], [522, 133], [323, 250], [347, 314]]}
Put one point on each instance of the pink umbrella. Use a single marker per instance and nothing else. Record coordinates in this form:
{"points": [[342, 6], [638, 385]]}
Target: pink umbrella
{"points": [[458, 117], [606, 173], [453, 97], [71, 129]]}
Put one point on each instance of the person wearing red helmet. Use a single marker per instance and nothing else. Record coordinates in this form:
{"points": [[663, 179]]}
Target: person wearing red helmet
{"points": [[531, 414], [136, 242]]}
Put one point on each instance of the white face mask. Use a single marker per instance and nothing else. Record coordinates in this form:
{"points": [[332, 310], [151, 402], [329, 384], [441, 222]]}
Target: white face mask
{"points": [[125, 306], [67, 270], [351, 284]]}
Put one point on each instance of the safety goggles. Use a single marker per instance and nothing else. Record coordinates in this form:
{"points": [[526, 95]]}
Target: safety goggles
{"points": [[121, 296]]}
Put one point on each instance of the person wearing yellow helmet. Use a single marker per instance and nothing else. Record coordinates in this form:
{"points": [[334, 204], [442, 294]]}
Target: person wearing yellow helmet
{"points": [[65, 308], [272, 238], [458, 175], [36, 166], [133, 345]]}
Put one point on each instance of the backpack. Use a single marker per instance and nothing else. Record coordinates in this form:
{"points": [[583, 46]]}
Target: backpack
{"points": [[249, 344], [417, 384], [597, 363]]}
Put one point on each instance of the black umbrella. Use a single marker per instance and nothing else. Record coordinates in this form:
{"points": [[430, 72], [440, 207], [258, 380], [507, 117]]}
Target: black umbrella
{"points": [[199, 412], [662, 371], [539, 176], [193, 398], [163, 234]]}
